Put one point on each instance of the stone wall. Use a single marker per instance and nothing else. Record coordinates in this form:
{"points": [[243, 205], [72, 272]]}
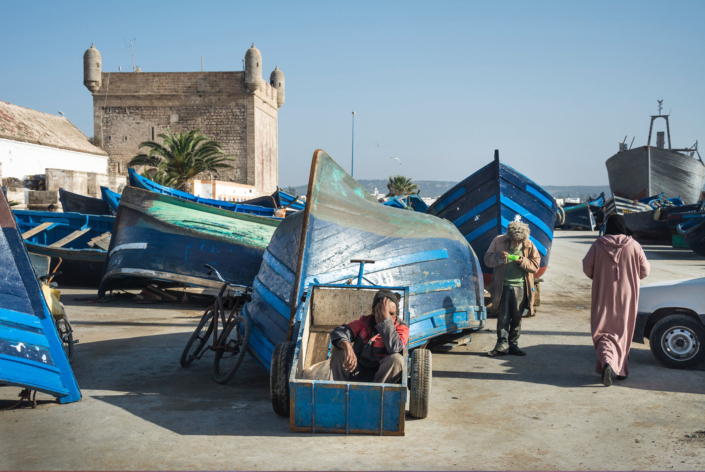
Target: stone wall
{"points": [[83, 183], [131, 108]]}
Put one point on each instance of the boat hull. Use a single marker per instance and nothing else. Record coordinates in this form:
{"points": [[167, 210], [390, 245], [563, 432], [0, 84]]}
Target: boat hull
{"points": [[342, 222], [693, 233], [165, 240], [646, 229], [31, 354], [80, 265], [579, 217], [643, 171], [75, 203], [483, 205], [111, 198]]}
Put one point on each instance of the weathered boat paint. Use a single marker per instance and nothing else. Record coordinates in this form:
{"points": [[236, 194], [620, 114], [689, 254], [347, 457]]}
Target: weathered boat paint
{"points": [[81, 265], [165, 240], [693, 232], [343, 222], [75, 203], [483, 205], [31, 355], [111, 198], [144, 183]]}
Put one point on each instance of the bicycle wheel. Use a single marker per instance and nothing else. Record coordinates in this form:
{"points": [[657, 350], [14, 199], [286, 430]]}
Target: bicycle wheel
{"points": [[230, 352], [198, 339]]}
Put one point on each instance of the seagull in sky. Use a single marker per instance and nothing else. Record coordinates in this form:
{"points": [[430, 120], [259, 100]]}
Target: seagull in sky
{"points": [[396, 159]]}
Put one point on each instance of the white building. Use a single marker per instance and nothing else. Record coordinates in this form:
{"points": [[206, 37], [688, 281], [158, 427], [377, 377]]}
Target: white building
{"points": [[32, 141]]}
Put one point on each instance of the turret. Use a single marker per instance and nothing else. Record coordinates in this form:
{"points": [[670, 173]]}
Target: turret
{"points": [[253, 69], [92, 69], [276, 80]]}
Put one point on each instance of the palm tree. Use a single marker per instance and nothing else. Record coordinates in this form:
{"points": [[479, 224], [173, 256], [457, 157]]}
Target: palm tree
{"points": [[182, 157], [400, 185]]}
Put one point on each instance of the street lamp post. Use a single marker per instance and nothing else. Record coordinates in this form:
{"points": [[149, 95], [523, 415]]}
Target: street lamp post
{"points": [[352, 159]]}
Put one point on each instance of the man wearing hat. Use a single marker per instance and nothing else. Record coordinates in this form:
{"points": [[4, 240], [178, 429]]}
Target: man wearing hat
{"points": [[369, 349]]}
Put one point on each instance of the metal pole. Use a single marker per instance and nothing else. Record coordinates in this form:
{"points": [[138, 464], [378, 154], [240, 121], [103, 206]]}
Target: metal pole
{"points": [[352, 159]]}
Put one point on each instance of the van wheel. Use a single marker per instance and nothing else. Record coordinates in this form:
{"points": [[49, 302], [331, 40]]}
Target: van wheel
{"points": [[421, 373], [282, 357], [677, 341]]}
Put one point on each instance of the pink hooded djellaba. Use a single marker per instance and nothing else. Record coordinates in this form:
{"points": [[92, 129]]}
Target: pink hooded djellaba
{"points": [[615, 263]]}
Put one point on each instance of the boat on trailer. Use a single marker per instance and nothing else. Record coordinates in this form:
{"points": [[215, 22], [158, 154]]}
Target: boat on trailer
{"points": [[75, 203], [164, 240], [253, 207], [342, 222], [76, 243], [483, 205], [31, 354]]}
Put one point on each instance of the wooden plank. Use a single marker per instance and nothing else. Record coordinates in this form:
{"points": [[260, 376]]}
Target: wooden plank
{"points": [[102, 241], [76, 234], [36, 230]]}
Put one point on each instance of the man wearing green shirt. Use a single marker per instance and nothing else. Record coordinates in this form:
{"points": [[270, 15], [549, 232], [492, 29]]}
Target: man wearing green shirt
{"points": [[515, 260]]}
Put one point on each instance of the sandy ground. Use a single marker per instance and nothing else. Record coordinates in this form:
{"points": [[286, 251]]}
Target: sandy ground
{"points": [[141, 410]]}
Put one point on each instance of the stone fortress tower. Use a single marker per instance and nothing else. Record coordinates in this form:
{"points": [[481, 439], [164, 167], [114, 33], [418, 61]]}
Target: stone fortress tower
{"points": [[238, 109]]}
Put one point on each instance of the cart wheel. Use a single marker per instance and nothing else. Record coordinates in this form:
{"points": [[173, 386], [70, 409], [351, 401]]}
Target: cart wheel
{"points": [[198, 339], [231, 350], [420, 383], [282, 358]]}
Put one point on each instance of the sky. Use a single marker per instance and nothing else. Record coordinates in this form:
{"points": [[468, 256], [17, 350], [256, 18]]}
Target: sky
{"points": [[554, 85]]}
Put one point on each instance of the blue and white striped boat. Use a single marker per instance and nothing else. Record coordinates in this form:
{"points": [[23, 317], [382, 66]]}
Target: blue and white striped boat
{"points": [[343, 222], [482, 206]]}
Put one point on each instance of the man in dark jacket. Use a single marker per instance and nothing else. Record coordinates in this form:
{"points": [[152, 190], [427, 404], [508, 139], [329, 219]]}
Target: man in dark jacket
{"points": [[369, 349]]}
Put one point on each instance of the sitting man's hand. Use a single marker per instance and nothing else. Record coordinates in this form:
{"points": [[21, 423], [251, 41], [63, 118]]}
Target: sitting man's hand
{"points": [[384, 310], [350, 362]]}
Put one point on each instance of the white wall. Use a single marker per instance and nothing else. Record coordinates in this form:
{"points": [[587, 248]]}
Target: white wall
{"points": [[20, 159]]}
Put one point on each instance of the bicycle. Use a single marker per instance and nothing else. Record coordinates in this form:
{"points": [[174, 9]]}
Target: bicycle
{"points": [[58, 313], [230, 346]]}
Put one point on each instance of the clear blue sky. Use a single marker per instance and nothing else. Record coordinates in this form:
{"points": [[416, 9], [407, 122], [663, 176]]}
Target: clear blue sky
{"points": [[553, 85]]}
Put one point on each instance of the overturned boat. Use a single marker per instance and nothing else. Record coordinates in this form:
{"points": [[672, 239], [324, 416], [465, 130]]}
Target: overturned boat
{"points": [[165, 240], [483, 205], [31, 354], [342, 222], [76, 243], [646, 170]]}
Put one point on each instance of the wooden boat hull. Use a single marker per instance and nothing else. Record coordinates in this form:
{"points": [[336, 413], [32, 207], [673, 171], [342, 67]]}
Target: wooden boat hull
{"points": [[579, 217], [143, 183], [75, 203], [31, 354], [482, 206], [111, 198], [165, 240], [646, 229], [342, 222], [684, 214], [693, 232], [643, 171], [80, 264]]}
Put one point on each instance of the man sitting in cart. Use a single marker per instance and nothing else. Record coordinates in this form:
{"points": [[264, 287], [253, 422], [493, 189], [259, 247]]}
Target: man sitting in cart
{"points": [[370, 349]]}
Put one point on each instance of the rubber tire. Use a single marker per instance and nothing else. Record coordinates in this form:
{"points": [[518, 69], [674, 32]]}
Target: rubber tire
{"points": [[282, 357], [205, 320], [659, 330], [226, 376], [421, 375]]}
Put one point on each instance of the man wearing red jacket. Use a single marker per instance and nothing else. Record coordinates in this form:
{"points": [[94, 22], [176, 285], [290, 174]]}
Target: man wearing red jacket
{"points": [[369, 349]]}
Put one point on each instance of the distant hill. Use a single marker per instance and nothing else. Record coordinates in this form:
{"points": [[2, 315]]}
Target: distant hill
{"points": [[436, 188]]}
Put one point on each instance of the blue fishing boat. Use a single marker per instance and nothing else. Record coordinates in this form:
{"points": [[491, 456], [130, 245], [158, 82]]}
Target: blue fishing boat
{"points": [[289, 201], [684, 214], [75, 203], [407, 201], [144, 183], [111, 198], [75, 242], [482, 206], [693, 232], [164, 240], [343, 222], [582, 216], [31, 354]]}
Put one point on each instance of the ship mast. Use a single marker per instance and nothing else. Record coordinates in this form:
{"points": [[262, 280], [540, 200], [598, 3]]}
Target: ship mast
{"points": [[665, 117]]}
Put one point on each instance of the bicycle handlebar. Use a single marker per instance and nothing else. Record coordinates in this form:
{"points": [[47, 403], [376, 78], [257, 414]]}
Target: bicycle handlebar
{"points": [[212, 270]]}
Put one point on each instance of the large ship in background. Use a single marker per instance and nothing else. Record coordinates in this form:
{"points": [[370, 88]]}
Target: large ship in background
{"points": [[649, 170]]}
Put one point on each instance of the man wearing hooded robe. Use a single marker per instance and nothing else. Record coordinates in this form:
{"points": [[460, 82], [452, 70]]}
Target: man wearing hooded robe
{"points": [[615, 263]]}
